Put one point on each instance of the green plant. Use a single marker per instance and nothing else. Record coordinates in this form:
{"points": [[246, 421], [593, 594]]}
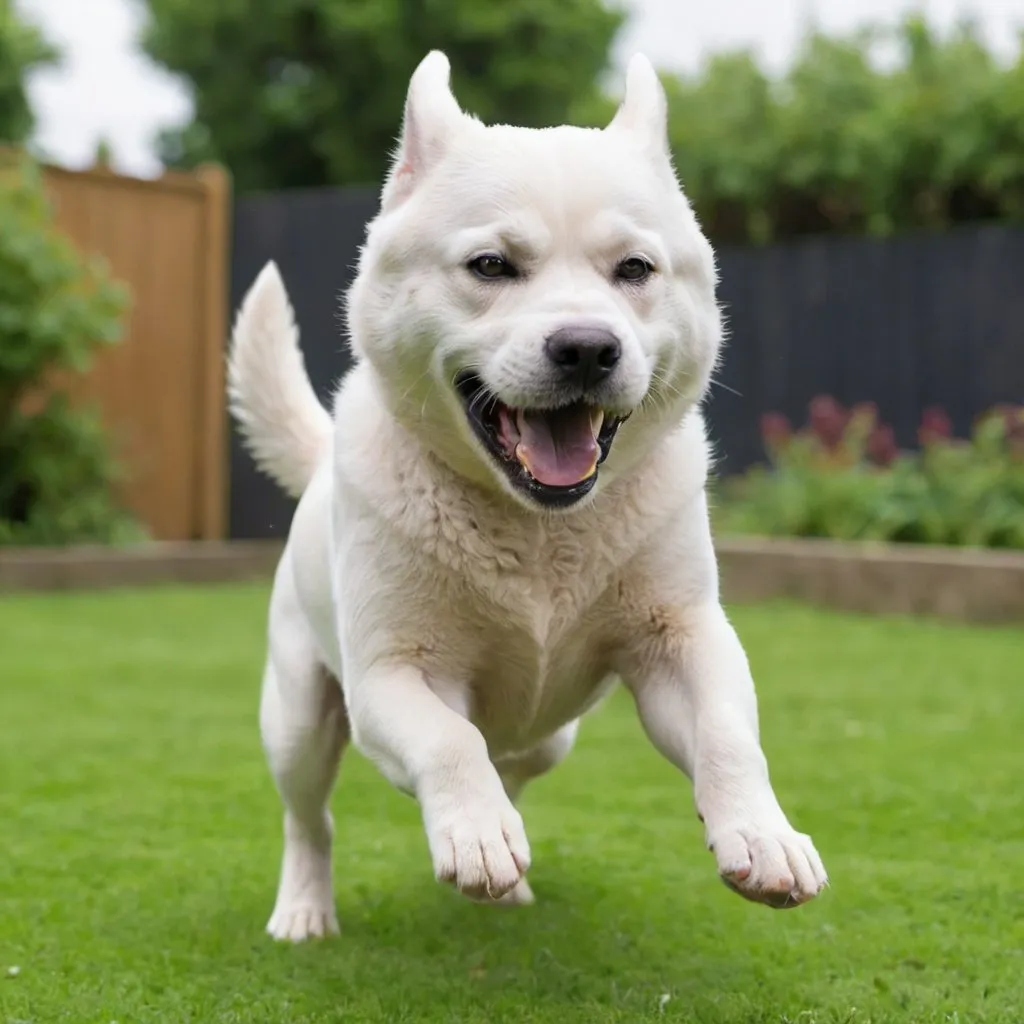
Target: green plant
{"points": [[844, 142], [22, 50], [842, 476], [56, 307]]}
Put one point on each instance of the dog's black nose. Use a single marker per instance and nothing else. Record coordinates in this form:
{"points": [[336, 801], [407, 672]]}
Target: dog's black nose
{"points": [[584, 355]]}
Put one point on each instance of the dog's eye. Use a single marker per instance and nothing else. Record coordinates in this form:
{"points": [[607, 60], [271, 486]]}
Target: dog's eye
{"points": [[634, 269], [491, 266]]}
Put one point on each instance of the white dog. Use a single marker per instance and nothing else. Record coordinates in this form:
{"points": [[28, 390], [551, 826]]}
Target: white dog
{"points": [[505, 513]]}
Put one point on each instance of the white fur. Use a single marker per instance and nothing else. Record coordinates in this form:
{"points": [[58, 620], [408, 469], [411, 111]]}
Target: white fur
{"points": [[424, 609], [285, 427]]}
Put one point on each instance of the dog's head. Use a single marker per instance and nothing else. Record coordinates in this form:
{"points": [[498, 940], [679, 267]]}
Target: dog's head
{"points": [[524, 293]]}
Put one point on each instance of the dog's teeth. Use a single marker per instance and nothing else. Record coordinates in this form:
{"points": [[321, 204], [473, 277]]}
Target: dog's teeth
{"points": [[597, 421]]}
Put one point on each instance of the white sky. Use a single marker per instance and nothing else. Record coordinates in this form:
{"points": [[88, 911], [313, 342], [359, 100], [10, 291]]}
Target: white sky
{"points": [[106, 88]]}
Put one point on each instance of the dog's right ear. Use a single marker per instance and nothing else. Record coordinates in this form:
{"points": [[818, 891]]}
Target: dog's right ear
{"points": [[431, 116]]}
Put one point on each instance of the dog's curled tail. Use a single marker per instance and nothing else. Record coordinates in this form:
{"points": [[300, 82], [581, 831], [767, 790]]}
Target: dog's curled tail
{"points": [[283, 424]]}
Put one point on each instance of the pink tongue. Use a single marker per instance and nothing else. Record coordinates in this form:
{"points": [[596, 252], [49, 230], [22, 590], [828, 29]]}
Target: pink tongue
{"points": [[558, 447]]}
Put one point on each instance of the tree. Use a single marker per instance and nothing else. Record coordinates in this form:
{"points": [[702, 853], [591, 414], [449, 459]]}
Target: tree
{"points": [[292, 93], [22, 48]]}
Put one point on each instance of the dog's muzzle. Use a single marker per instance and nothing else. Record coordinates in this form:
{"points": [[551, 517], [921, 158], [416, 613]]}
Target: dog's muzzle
{"points": [[551, 455]]}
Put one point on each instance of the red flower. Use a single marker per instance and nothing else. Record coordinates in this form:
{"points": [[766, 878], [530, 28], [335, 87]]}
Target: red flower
{"points": [[828, 420], [935, 426], [881, 446], [1013, 425], [776, 430], [1013, 421]]}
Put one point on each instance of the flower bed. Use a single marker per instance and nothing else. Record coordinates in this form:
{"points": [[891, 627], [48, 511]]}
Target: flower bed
{"points": [[842, 477]]}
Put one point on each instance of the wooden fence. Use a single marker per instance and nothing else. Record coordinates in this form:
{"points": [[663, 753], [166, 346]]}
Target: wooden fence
{"points": [[160, 392]]}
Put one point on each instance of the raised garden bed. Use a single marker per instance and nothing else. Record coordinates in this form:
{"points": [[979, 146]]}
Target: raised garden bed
{"points": [[96, 567], [963, 584], [952, 583]]}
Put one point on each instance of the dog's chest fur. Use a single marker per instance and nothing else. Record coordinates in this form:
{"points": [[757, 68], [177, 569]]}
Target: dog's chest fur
{"points": [[513, 621], [540, 606]]}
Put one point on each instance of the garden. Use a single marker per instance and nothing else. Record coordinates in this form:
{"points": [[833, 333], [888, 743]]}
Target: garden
{"points": [[140, 827], [842, 476]]}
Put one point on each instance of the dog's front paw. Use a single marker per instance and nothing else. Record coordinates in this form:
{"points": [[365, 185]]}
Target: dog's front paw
{"points": [[478, 845], [520, 896], [768, 863]]}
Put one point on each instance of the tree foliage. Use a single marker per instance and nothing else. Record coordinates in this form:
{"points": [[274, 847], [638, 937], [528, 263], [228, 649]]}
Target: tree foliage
{"points": [[56, 307], [876, 131], [22, 49], [846, 143], [299, 93]]}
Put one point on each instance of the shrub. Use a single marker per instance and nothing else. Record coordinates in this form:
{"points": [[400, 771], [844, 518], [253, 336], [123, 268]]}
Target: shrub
{"points": [[56, 307], [842, 476], [848, 142]]}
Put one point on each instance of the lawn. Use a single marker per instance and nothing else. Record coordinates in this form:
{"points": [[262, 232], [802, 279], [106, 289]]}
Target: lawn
{"points": [[139, 842]]}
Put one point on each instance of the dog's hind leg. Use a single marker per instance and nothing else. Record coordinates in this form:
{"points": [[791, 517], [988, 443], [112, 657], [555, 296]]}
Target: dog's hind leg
{"points": [[516, 772], [304, 729]]}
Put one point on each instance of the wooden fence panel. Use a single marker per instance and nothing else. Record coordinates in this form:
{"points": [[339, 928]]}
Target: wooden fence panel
{"points": [[161, 391]]}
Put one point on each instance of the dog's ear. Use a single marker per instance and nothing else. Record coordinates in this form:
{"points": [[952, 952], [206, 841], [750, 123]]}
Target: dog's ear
{"points": [[644, 109], [431, 116]]}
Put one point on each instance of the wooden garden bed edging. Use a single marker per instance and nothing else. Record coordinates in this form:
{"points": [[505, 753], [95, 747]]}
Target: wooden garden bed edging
{"points": [[950, 583], [960, 584], [98, 567]]}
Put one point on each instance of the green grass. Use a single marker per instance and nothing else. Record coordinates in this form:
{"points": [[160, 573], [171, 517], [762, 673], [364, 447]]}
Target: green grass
{"points": [[139, 842]]}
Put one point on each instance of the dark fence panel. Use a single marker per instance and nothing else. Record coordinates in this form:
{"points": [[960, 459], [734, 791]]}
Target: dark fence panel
{"points": [[907, 323], [314, 236]]}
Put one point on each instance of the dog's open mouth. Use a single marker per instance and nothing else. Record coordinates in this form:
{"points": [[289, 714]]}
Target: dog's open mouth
{"points": [[550, 454]]}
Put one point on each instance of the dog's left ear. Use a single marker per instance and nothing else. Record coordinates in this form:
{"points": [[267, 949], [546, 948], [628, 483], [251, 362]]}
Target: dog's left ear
{"points": [[431, 117], [644, 109]]}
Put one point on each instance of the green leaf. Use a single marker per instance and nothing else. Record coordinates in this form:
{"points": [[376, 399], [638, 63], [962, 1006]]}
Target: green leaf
{"points": [[56, 308]]}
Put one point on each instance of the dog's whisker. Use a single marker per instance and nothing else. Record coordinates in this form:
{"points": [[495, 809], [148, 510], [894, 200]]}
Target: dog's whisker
{"points": [[415, 384], [481, 394], [715, 382]]}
